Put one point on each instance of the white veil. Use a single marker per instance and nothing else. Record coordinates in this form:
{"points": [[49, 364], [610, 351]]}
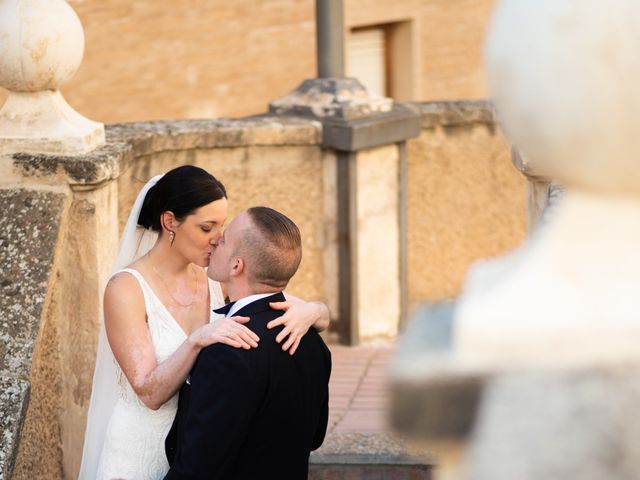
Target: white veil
{"points": [[134, 243]]}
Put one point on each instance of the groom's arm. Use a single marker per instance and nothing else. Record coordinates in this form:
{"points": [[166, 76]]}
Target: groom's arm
{"points": [[218, 417]]}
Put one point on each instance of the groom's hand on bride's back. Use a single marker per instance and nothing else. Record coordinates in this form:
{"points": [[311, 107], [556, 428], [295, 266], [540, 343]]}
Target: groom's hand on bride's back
{"points": [[229, 331]]}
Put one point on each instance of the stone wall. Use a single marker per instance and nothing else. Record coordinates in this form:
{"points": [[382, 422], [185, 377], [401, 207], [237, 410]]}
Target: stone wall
{"points": [[59, 245], [29, 362], [66, 246], [227, 59], [465, 199], [277, 163]]}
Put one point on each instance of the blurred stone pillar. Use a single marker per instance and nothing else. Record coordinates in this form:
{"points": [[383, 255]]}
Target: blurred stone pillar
{"points": [[534, 371]]}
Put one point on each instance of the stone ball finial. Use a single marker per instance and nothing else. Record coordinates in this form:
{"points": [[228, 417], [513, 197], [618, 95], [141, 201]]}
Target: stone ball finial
{"points": [[42, 44], [565, 79]]}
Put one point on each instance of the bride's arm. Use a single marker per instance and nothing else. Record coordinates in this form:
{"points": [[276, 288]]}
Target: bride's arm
{"points": [[299, 316], [128, 334]]}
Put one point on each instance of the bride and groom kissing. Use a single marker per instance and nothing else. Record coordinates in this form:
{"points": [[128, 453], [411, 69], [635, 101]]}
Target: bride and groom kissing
{"points": [[241, 410], [247, 408]]}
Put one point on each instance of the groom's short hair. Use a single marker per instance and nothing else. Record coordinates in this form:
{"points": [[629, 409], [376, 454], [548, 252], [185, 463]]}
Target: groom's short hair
{"points": [[272, 247]]}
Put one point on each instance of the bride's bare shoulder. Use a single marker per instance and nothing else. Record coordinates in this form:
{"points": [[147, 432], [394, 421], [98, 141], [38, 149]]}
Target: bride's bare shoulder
{"points": [[123, 286]]}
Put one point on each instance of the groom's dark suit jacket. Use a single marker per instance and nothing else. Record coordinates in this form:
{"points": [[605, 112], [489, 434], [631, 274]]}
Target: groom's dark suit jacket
{"points": [[252, 414]]}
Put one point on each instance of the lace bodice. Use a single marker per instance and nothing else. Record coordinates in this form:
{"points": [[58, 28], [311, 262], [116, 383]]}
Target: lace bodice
{"points": [[134, 443]]}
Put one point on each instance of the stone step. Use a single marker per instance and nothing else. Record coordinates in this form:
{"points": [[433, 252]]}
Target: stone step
{"points": [[367, 456]]}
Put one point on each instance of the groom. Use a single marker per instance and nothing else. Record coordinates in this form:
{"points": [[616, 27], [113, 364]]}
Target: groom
{"points": [[253, 414]]}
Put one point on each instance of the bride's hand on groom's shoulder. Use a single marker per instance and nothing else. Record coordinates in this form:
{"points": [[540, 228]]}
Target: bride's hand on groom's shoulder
{"points": [[298, 317], [229, 331]]}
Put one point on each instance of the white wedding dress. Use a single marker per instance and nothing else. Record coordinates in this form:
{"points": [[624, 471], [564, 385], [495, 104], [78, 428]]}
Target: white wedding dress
{"points": [[124, 439], [134, 442]]}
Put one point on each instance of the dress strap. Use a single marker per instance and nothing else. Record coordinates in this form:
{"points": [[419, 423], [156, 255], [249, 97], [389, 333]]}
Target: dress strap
{"points": [[147, 293], [153, 303]]}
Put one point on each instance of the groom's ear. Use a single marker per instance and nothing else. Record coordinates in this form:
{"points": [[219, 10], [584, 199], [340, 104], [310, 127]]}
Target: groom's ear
{"points": [[237, 266]]}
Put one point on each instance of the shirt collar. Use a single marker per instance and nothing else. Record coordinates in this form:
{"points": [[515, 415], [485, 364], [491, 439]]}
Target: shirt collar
{"points": [[243, 302]]}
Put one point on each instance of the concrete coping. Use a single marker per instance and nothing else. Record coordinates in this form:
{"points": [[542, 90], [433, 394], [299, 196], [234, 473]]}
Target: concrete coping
{"points": [[454, 113], [126, 141], [261, 130], [356, 448], [104, 163]]}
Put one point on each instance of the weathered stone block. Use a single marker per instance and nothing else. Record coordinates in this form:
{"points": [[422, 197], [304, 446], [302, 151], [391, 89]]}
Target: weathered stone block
{"points": [[449, 114], [14, 396], [31, 222], [102, 164], [370, 456], [151, 137]]}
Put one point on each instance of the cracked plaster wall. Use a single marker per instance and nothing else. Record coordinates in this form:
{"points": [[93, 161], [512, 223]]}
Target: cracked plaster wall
{"points": [[466, 201]]}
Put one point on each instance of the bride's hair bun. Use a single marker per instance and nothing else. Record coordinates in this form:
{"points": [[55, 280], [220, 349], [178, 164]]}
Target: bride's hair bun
{"points": [[145, 219], [182, 191]]}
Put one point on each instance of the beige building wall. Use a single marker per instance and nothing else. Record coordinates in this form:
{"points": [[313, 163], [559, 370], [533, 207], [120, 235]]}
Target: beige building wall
{"points": [[443, 39], [466, 202], [282, 166], [166, 59]]}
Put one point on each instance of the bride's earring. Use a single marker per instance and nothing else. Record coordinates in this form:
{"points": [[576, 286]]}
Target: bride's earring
{"points": [[172, 237]]}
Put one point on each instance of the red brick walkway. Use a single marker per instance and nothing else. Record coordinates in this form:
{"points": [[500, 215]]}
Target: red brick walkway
{"points": [[358, 393], [359, 443]]}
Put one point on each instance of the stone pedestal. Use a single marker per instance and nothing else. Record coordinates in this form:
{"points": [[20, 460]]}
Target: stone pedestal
{"points": [[42, 47], [43, 122]]}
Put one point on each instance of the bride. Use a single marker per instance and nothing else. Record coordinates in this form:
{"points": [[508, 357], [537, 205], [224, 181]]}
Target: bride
{"points": [[157, 317]]}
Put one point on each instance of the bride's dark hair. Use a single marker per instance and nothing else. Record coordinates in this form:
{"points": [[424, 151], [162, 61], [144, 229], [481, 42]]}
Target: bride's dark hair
{"points": [[182, 191]]}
